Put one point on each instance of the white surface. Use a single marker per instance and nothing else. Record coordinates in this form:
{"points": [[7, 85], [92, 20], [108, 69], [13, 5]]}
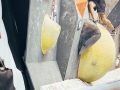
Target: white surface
{"points": [[70, 84], [109, 77], [5, 54], [77, 84]]}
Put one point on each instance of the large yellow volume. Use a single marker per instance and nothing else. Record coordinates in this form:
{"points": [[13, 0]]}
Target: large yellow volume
{"points": [[50, 33], [98, 59]]}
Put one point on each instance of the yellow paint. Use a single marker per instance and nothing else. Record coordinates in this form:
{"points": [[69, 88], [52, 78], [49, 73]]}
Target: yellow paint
{"points": [[50, 34], [98, 59]]}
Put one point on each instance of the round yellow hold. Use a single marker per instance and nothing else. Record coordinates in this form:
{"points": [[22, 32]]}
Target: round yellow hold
{"points": [[98, 59], [50, 34]]}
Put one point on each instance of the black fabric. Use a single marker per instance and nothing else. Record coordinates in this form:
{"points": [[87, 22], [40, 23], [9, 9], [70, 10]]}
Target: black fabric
{"points": [[14, 36], [11, 30], [20, 11], [100, 5]]}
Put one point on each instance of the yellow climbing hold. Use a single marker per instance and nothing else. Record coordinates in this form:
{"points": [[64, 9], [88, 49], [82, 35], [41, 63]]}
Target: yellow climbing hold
{"points": [[50, 33], [98, 59]]}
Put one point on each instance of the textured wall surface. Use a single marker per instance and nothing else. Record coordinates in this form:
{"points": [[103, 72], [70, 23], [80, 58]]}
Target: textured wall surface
{"points": [[68, 22], [110, 5], [66, 47], [43, 69], [115, 20], [38, 8], [114, 15]]}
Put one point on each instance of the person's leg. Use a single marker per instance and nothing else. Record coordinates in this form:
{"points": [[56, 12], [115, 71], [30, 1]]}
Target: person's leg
{"points": [[91, 8], [106, 21]]}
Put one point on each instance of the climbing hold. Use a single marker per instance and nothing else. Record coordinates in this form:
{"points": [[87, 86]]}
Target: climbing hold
{"points": [[98, 59], [90, 34], [50, 33], [81, 5]]}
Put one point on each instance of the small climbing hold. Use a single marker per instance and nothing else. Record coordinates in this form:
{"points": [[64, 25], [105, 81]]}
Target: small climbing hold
{"points": [[50, 34]]}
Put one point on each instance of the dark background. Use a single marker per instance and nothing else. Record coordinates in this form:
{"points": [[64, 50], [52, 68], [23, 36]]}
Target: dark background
{"points": [[15, 18]]}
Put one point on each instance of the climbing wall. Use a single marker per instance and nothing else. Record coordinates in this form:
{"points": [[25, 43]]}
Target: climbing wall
{"points": [[110, 4], [61, 62], [42, 68], [67, 51]]}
